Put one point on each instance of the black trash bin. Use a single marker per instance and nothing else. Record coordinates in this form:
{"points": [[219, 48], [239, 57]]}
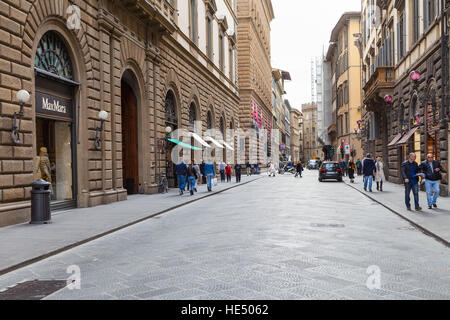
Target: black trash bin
{"points": [[40, 202]]}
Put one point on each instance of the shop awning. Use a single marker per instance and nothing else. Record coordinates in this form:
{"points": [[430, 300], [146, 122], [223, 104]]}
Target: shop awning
{"points": [[395, 140], [214, 142], [199, 140], [185, 145], [407, 136], [227, 145]]}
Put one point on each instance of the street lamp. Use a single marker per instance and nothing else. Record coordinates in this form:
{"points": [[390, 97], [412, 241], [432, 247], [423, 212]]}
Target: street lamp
{"points": [[23, 96], [103, 115]]}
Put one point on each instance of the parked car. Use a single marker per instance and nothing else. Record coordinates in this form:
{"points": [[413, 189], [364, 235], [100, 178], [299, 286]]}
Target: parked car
{"points": [[330, 171], [313, 164]]}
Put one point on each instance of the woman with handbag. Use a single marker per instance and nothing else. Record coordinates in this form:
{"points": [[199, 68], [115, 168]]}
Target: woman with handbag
{"points": [[351, 168], [379, 174]]}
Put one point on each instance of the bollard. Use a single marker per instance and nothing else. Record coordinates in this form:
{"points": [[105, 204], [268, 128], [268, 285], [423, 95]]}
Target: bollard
{"points": [[40, 202]]}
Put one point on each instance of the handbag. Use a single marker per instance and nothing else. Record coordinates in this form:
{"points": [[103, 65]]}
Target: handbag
{"points": [[214, 182]]}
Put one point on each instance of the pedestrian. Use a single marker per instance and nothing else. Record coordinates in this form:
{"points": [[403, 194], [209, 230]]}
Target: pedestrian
{"points": [[238, 171], [410, 171], [191, 176], [222, 167], [368, 172], [359, 167], [379, 176], [202, 171], [351, 167], [346, 168], [299, 169], [180, 171], [210, 174], [255, 166], [342, 165], [432, 170], [228, 170], [198, 175], [248, 166], [272, 170]]}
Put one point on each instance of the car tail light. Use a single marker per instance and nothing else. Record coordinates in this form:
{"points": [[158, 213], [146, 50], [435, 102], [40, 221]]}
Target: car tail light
{"points": [[339, 170], [323, 170]]}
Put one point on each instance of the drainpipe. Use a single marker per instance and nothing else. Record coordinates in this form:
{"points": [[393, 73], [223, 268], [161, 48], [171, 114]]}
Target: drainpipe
{"points": [[444, 55]]}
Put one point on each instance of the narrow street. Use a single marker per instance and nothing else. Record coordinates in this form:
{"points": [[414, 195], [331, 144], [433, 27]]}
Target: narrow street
{"points": [[274, 238]]}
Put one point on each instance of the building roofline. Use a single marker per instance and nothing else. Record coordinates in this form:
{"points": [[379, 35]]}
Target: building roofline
{"points": [[346, 16]]}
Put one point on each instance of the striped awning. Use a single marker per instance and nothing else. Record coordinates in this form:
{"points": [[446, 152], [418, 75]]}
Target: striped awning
{"points": [[200, 140], [229, 147], [215, 142], [395, 140], [185, 145]]}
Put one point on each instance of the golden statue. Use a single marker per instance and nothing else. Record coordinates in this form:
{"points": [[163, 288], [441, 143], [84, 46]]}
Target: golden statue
{"points": [[43, 166]]}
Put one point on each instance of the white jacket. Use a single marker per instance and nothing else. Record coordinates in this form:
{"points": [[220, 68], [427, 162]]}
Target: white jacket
{"points": [[380, 172]]}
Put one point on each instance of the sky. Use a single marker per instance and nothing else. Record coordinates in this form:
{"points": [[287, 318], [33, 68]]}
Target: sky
{"points": [[301, 31]]}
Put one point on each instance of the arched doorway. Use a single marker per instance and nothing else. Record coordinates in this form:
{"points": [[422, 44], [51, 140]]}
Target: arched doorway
{"points": [[130, 153], [192, 119], [55, 94], [171, 120], [222, 132]]}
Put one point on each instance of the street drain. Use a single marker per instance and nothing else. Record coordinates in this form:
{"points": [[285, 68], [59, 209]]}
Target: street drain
{"points": [[407, 228], [324, 225], [32, 290]]}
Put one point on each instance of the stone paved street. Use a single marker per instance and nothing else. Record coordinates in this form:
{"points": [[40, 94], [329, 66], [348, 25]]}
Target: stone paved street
{"points": [[276, 238]]}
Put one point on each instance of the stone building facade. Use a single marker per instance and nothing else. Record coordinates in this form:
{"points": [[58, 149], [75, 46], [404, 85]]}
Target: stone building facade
{"points": [[296, 135], [255, 71], [148, 64], [311, 146], [345, 58], [403, 115]]}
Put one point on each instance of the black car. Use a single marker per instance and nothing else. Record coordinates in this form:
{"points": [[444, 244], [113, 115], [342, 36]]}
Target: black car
{"points": [[330, 171]]}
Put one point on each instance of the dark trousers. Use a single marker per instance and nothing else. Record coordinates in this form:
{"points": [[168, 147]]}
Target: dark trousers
{"points": [[359, 171], [415, 190], [351, 174], [238, 177], [380, 185], [203, 179], [228, 178], [222, 175]]}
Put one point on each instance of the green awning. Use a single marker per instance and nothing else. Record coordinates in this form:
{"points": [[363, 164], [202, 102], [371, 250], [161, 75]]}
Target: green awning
{"points": [[188, 146]]}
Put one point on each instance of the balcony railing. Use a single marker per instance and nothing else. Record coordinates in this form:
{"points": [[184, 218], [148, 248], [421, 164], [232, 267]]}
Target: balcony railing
{"points": [[159, 10], [382, 79]]}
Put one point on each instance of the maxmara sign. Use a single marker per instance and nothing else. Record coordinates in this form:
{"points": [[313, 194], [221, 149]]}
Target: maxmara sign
{"points": [[53, 106]]}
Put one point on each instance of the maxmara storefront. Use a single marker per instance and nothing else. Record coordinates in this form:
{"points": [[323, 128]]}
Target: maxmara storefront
{"points": [[105, 79]]}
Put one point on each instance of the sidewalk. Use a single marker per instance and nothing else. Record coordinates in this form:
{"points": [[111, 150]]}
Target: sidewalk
{"points": [[435, 222], [24, 243]]}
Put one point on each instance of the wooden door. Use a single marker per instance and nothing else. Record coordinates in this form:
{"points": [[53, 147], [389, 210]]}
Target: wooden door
{"points": [[130, 160]]}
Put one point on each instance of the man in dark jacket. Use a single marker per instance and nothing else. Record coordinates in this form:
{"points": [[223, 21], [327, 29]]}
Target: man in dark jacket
{"points": [[202, 171], [432, 170], [180, 171], [410, 170], [369, 170], [299, 169], [238, 170]]}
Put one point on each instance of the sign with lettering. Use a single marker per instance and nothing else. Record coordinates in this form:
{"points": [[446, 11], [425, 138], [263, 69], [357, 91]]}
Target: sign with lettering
{"points": [[53, 106]]}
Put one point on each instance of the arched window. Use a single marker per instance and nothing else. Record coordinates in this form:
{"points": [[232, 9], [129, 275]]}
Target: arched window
{"points": [[413, 112], [192, 116], [170, 110], [52, 56], [209, 120], [222, 126], [401, 117]]}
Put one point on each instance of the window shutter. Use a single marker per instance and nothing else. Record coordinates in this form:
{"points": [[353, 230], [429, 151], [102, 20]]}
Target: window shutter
{"points": [[399, 53], [404, 34], [426, 11], [416, 20], [436, 8]]}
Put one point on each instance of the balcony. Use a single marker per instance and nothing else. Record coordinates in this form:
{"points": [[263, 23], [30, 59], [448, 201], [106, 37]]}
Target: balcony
{"points": [[160, 11], [380, 83]]}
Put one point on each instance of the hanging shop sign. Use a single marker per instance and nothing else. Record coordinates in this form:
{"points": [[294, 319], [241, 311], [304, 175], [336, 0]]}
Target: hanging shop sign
{"points": [[53, 106]]}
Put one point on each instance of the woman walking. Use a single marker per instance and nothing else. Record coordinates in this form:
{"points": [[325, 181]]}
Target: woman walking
{"points": [[191, 176], [379, 176], [228, 172], [351, 167]]}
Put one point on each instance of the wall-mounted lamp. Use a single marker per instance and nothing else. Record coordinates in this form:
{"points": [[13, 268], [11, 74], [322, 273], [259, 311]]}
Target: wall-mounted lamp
{"points": [[103, 115], [23, 97]]}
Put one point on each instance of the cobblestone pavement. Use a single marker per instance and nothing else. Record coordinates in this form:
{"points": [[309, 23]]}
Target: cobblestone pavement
{"points": [[277, 238]]}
